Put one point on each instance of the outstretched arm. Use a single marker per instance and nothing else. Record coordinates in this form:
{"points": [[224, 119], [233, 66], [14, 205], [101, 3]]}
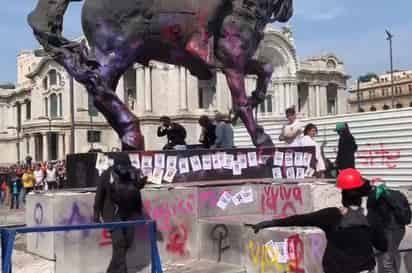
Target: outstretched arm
{"points": [[323, 219]]}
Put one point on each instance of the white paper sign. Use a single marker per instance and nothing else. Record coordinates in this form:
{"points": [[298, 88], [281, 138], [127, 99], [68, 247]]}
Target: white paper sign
{"points": [[217, 164], [300, 173], [242, 159], [157, 176], [289, 159], [224, 200], [170, 175], [290, 173], [159, 161], [278, 159], [309, 172], [184, 165], [281, 249], [277, 173], [237, 199], [247, 195], [147, 172], [102, 163], [147, 162], [171, 162], [195, 161], [252, 158], [299, 159], [237, 170], [228, 161], [135, 160], [207, 162], [270, 247], [307, 157]]}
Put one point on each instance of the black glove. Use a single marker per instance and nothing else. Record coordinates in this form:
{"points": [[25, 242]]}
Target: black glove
{"points": [[255, 228], [96, 218]]}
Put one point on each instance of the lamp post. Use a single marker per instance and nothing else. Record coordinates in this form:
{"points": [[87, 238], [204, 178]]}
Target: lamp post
{"points": [[81, 109], [389, 38], [18, 140], [49, 131]]}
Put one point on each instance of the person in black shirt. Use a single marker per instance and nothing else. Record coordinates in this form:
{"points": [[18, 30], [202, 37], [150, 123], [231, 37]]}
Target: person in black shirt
{"points": [[347, 147], [208, 136], [350, 237], [176, 133]]}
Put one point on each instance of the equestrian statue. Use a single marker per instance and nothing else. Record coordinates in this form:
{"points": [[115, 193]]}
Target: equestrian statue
{"points": [[202, 36]]}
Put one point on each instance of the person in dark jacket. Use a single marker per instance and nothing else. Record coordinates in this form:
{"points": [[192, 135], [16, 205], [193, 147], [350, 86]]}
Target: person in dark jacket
{"points": [[208, 136], [385, 209], [350, 237], [118, 199], [15, 189], [347, 147], [176, 133]]}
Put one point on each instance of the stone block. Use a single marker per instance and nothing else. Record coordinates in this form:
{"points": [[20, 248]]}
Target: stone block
{"points": [[175, 212]]}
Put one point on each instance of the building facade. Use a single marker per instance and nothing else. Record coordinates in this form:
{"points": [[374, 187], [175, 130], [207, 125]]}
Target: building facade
{"points": [[376, 93], [48, 115]]}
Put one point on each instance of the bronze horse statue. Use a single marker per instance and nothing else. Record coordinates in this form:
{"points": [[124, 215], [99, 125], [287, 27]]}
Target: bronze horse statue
{"points": [[200, 35]]}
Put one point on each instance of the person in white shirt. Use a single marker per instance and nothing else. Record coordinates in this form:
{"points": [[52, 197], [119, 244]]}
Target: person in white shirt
{"points": [[51, 177], [307, 140], [39, 178], [292, 132]]}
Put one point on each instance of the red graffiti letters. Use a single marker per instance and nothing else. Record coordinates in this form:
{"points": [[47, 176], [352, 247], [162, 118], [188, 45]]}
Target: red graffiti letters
{"points": [[105, 238], [379, 157], [177, 239], [281, 200]]}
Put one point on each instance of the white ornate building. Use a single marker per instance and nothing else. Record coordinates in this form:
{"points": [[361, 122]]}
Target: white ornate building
{"points": [[45, 115]]}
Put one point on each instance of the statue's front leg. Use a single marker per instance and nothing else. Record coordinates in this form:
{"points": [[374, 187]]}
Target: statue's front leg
{"points": [[264, 73]]}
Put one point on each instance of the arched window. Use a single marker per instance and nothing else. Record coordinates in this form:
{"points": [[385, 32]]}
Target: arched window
{"points": [[386, 107], [269, 104], [28, 109], [53, 77], [331, 64], [46, 107], [399, 105], [373, 108], [53, 105]]}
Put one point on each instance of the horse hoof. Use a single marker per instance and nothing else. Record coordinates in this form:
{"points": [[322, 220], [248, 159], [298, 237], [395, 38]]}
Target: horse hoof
{"points": [[257, 98]]}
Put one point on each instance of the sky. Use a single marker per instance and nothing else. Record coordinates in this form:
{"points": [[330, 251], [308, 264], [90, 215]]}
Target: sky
{"points": [[351, 29]]}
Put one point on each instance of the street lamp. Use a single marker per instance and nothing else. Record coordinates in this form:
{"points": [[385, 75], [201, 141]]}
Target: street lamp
{"points": [[49, 131], [389, 38], [18, 140], [81, 109]]}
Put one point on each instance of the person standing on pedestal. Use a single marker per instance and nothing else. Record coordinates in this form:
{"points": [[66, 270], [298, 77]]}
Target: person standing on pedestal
{"points": [[308, 140], [51, 177], [292, 132], [208, 136], [176, 134], [347, 147], [224, 132]]}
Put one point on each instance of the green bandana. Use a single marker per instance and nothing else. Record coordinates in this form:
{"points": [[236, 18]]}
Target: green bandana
{"points": [[380, 191]]}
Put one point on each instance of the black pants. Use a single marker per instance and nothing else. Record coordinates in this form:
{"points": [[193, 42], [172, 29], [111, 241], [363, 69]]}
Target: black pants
{"points": [[52, 185], [121, 241], [14, 201]]}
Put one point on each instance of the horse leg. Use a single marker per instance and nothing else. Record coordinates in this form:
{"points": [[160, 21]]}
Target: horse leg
{"points": [[264, 73], [236, 83]]}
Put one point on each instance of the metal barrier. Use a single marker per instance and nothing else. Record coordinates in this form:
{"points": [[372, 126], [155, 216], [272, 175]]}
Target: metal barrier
{"points": [[8, 236]]}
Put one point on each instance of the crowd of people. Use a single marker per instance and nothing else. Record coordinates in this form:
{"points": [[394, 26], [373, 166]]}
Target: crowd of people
{"points": [[19, 180]]}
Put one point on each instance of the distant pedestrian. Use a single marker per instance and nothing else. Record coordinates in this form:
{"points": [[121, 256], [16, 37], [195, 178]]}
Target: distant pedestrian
{"points": [[28, 182], [15, 189], [208, 135], [224, 132], [347, 147], [51, 177], [39, 178], [292, 131], [175, 133]]}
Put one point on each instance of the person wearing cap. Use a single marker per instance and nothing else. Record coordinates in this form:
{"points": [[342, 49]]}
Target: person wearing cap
{"points": [[347, 147], [350, 238]]}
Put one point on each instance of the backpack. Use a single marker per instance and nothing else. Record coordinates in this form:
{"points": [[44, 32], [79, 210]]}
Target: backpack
{"points": [[400, 207]]}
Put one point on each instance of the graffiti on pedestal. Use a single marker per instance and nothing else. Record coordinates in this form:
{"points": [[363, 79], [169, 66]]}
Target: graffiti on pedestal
{"points": [[282, 200]]}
